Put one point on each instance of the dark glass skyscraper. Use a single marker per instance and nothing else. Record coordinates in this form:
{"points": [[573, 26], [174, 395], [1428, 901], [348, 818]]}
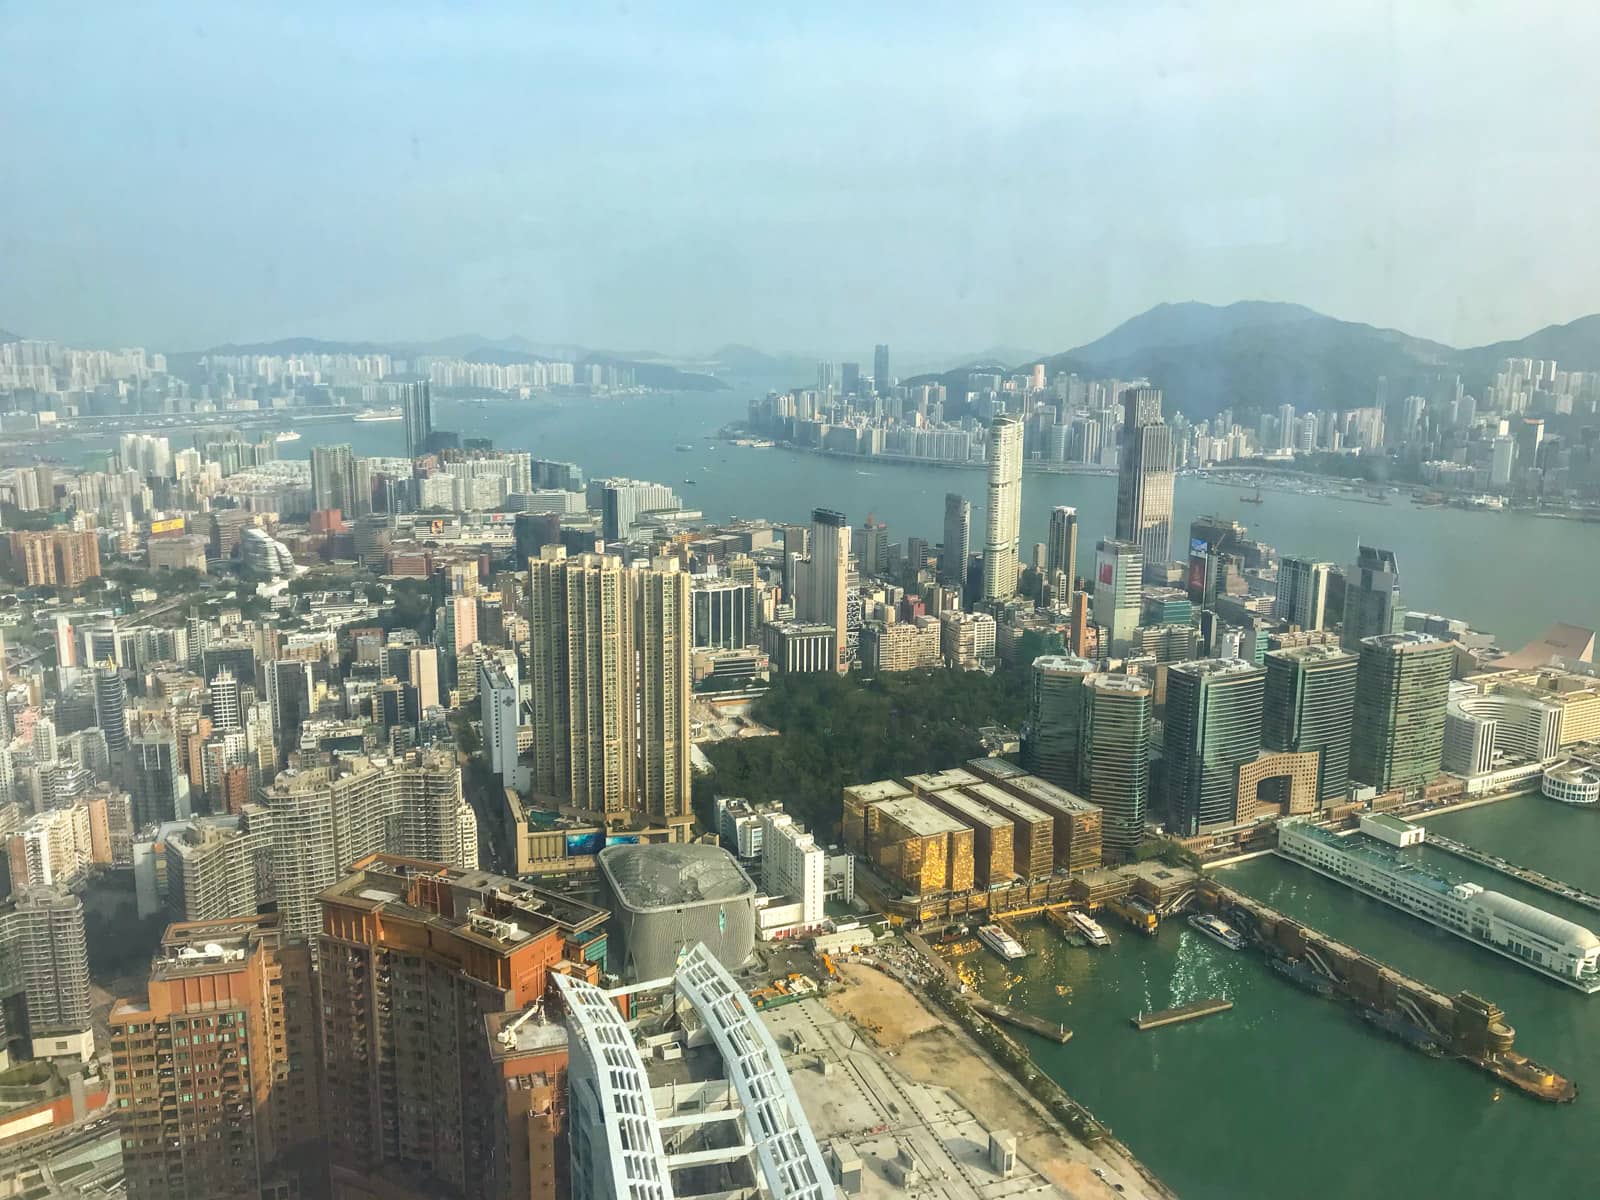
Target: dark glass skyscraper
{"points": [[1114, 757], [880, 369], [1052, 738], [1145, 477], [957, 539], [1311, 700], [416, 403], [1213, 727], [1061, 546], [1402, 688], [1371, 597]]}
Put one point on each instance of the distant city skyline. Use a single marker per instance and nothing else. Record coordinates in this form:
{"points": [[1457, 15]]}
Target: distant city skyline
{"points": [[789, 180]]}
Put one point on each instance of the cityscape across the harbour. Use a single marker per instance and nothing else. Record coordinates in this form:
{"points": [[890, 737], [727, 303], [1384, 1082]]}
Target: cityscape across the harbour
{"points": [[298, 711]]}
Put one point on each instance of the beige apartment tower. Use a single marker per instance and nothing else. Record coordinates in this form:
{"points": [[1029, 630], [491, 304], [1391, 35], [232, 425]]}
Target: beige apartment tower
{"points": [[1004, 530], [609, 651]]}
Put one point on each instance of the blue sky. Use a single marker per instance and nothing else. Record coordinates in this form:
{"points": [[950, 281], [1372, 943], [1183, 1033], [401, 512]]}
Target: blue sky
{"points": [[677, 177]]}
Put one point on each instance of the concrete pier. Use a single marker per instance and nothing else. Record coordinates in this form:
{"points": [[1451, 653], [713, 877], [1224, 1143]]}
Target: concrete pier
{"points": [[1504, 866], [1177, 1016]]}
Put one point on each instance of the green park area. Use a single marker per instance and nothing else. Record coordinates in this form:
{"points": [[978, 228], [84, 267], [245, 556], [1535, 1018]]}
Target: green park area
{"points": [[838, 731]]}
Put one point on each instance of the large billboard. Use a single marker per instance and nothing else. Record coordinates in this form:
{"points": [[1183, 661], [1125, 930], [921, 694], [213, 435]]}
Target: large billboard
{"points": [[171, 525]]}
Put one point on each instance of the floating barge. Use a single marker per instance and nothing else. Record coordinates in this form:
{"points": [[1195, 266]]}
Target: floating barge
{"points": [[1464, 1026], [1177, 1016], [1022, 1020]]}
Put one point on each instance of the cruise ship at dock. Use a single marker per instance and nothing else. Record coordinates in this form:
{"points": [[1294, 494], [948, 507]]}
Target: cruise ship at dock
{"points": [[1374, 863]]}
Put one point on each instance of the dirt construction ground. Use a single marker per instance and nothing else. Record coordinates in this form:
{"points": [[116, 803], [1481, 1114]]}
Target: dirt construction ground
{"points": [[930, 1052]]}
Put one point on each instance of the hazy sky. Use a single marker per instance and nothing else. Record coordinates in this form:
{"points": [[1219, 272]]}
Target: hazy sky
{"points": [[795, 178]]}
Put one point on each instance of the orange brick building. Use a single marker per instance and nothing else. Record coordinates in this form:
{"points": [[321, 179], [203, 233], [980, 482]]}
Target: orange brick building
{"points": [[215, 1073], [422, 966]]}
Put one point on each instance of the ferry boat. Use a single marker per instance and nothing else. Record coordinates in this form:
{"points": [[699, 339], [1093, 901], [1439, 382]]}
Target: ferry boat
{"points": [[1540, 941], [1089, 927], [288, 435], [1001, 942], [380, 414], [1217, 930]]}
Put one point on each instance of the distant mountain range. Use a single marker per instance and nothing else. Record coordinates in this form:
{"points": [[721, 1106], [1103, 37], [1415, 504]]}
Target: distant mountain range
{"points": [[1250, 355], [1259, 354]]}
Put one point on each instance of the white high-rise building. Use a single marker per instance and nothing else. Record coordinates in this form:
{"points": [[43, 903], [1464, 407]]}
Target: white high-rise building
{"points": [[1118, 593], [1004, 530], [793, 865], [497, 696]]}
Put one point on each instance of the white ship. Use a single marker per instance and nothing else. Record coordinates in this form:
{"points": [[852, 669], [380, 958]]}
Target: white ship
{"points": [[1089, 927], [288, 435], [1217, 930], [1538, 940], [1001, 942], [380, 414]]}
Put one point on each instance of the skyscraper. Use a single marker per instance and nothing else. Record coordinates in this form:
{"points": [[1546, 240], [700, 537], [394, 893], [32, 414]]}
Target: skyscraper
{"points": [[155, 778], [825, 579], [1371, 597], [497, 698], [608, 667], [880, 369], [225, 707], [1402, 688], [957, 539], [1004, 529], [1303, 592], [1114, 757], [416, 405], [236, 1117], [1310, 703], [1061, 546], [1213, 727], [1145, 476], [43, 942], [1054, 731], [1118, 593], [333, 474], [111, 706]]}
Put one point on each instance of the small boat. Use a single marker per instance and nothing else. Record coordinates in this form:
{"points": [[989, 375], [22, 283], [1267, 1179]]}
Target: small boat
{"points": [[683, 447], [1256, 499], [1001, 942], [1217, 930], [1089, 927], [690, 482], [288, 435]]}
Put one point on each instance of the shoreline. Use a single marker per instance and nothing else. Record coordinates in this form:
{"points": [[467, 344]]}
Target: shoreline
{"points": [[1053, 1150]]}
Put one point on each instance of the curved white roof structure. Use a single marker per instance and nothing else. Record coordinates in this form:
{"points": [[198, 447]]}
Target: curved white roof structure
{"points": [[618, 1147], [1568, 934]]}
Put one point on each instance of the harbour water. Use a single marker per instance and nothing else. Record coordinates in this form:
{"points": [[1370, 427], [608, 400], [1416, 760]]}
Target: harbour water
{"points": [[1289, 1094], [1510, 574]]}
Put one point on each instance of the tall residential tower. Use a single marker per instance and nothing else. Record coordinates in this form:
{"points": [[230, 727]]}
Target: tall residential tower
{"points": [[1004, 530]]}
